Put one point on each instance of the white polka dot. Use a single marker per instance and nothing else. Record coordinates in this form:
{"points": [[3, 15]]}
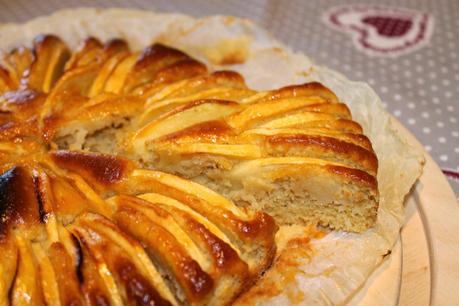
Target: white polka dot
{"points": [[434, 87], [411, 105], [444, 69], [440, 124], [394, 67], [426, 130], [407, 73], [456, 149], [455, 134], [450, 108], [428, 148], [384, 104], [431, 63], [411, 121], [422, 92], [359, 74], [397, 97], [435, 100], [420, 81], [383, 89], [347, 67], [438, 111], [453, 119], [425, 114], [432, 75], [419, 69], [371, 81], [448, 94], [441, 139], [446, 82], [443, 157], [397, 112]]}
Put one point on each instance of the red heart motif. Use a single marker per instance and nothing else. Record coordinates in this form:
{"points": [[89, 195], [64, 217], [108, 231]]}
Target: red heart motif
{"points": [[388, 26], [380, 30]]}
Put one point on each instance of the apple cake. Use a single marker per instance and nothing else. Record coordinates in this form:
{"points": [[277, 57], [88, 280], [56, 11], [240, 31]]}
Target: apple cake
{"points": [[142, 177]]}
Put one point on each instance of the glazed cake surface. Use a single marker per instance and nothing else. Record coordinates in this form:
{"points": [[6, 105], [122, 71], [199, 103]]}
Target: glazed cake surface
{"points": [[107, 150]]}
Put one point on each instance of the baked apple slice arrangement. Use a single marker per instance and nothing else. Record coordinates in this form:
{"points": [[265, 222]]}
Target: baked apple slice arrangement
{"points": [[141, 177], [87, 228]]}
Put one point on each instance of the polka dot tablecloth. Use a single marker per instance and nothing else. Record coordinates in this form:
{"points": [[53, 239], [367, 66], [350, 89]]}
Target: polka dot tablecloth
{"points": [[419, 85]]}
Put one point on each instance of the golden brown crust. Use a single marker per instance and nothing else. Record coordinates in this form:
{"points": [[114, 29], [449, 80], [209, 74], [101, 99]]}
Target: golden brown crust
{"points": [[18, 198], [98, 168], [50, 55], [196, 283], [304, 90], [358, 153], [103, 231], [355, 175]]}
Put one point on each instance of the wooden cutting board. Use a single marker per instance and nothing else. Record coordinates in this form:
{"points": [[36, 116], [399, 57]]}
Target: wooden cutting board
{"points": [[423, 268]]}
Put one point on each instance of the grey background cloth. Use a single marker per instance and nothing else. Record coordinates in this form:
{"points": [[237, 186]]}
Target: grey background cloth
{"points": [[420, 88]]}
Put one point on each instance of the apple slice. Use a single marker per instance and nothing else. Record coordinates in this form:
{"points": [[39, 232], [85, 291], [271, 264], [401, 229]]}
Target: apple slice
{"points": [[297, 119], [173, 204], [100, 82], [64, 269], [27, 288], [262, 111], [251, 232], [192, 284], [150, 62], [101, 171], [17, 61], [136, 278], [74, 82], [302, 90], [215, 84], [184, 116], [112, 53], [117, 78], [51, 54], [8, 267], [47, 277], [157, 108], [176, 72], [113, 47], [165, 220], [7, 83], [356, 139], [353, 150], [240, 151], [227, 268], [108, 282], [86, 53], [93, 287], [19, 201], [221, 79]]}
